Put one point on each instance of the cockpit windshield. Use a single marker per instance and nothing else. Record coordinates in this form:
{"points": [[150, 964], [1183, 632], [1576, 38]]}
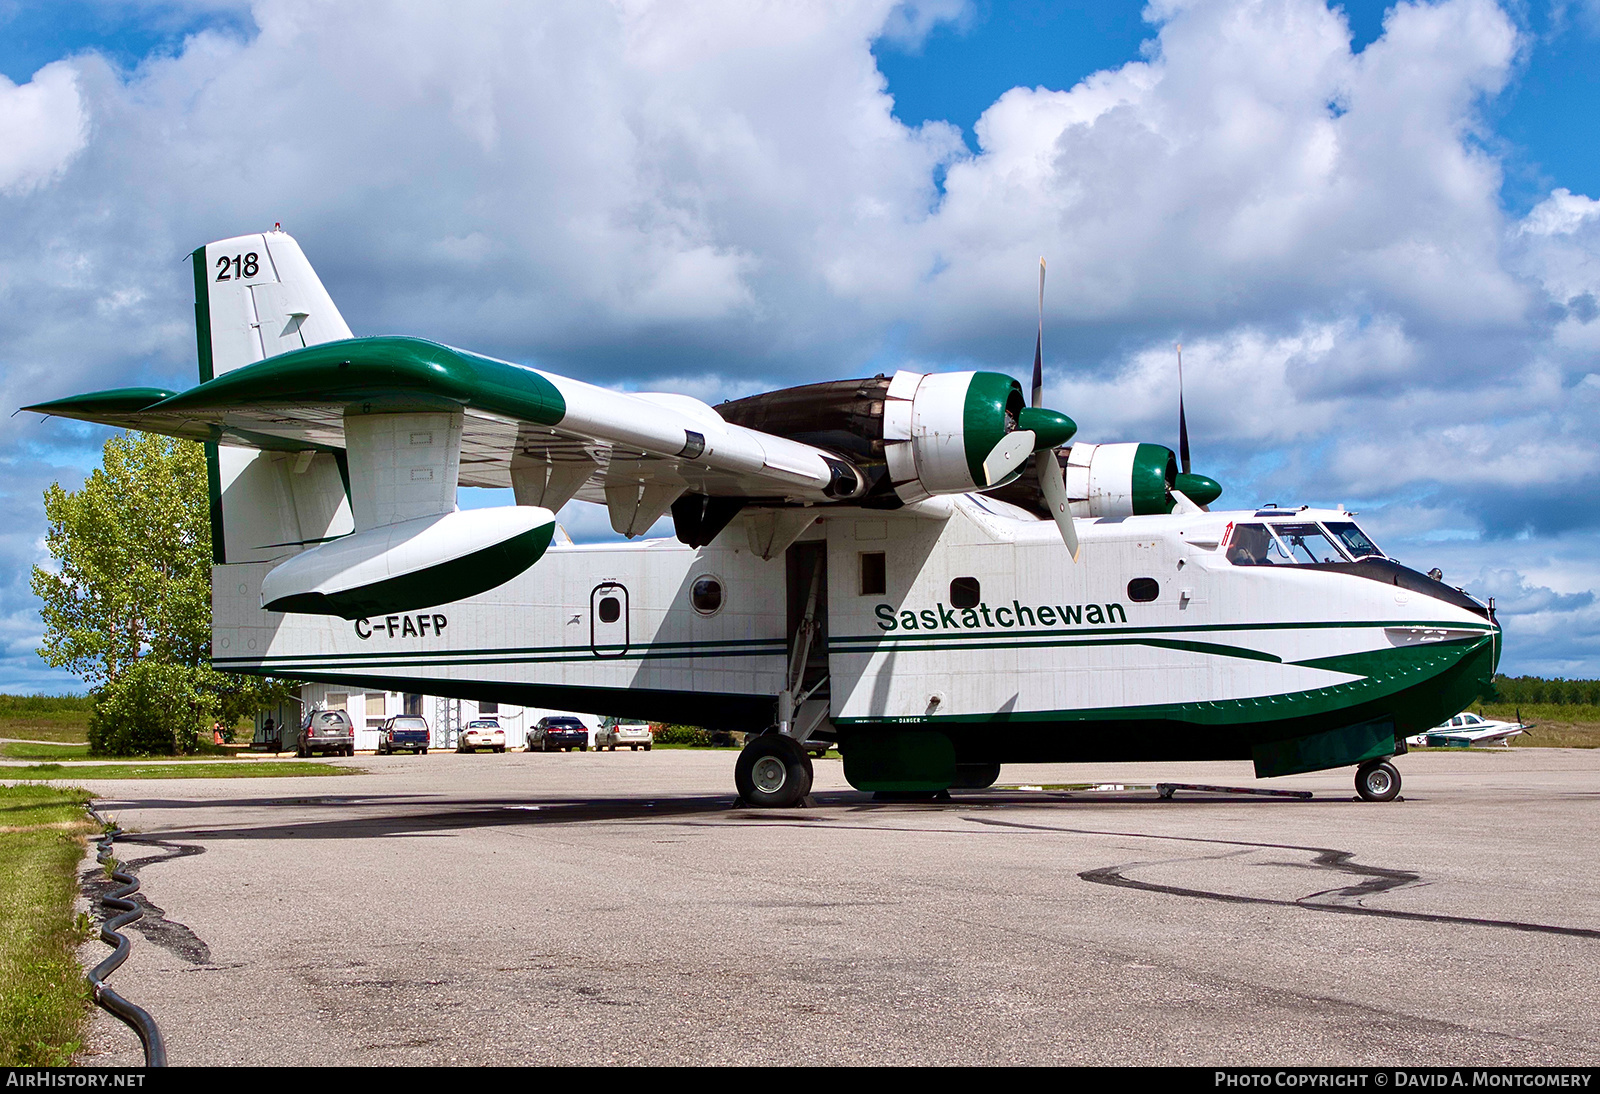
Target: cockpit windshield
{"points": [[1355, 540], [1308, 543], [1298, 544]]}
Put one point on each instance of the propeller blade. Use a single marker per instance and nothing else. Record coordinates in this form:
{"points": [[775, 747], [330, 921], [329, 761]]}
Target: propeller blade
{"points": [[1183, 424], [1052, 476], [1038, 345], [1183, 503], [1053, 483], [1006, 457]]}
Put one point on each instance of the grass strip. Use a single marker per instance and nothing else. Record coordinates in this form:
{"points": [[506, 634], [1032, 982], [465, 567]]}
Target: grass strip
{"points": [[70, 727], [1555, 725], [44, 1000], [27, 750], [228, 769], [30, 750]]}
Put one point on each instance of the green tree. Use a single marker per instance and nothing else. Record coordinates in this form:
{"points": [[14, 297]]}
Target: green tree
{"points": [[127, 605], [132, 551]]}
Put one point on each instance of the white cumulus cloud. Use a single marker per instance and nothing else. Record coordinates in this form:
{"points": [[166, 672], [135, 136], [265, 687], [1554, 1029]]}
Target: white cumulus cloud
{"points": [[42, 127]]}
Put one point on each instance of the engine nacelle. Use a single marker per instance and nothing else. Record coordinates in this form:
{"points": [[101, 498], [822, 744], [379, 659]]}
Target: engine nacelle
{"points": [[939, 428], [1120, 480]]}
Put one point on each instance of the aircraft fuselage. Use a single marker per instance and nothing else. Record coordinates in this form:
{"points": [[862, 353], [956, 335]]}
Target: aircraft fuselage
{"points": [[974, 624]]}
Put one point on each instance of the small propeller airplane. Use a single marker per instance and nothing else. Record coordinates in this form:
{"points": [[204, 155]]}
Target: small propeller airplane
{"points": [[921, 570]]}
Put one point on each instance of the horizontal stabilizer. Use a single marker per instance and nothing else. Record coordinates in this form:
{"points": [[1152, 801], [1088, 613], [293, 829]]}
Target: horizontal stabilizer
{"points": [[412, 564]]}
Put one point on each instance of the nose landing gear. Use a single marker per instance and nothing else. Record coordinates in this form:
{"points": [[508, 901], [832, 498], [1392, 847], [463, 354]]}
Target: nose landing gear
{"points": [[1377, 781]]}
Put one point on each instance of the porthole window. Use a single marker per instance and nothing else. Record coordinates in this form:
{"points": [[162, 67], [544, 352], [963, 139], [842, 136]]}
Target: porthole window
{"points": [[964, 592], [706, 595], [610, 609], [1142, 590]]}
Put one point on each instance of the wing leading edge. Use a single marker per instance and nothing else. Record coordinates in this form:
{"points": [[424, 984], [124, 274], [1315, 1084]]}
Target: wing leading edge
{"points": [[556, 435]]}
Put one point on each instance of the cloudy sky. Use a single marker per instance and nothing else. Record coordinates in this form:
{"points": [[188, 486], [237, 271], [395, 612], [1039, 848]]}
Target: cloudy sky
{"points": [[1370, 226]]}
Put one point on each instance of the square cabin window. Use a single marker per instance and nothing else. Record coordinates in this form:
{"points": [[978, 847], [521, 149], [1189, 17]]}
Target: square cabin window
{"points": [[964, 592], [874, 573]]}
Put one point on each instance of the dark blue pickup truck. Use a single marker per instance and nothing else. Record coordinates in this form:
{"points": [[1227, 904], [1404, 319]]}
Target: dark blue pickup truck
{"points": [[408, 732]]}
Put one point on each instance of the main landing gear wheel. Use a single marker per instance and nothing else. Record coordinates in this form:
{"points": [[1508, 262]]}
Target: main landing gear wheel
{"points": [[773, 771], [1377, 781]]}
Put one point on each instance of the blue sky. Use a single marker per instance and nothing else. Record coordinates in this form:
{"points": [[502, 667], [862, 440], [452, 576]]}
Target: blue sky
{"points": [[1373, 228], [1546, 124]]}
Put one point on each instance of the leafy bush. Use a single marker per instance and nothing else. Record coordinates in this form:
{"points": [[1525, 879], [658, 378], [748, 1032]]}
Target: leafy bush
{"points": [[682, 735], [152, 708]]}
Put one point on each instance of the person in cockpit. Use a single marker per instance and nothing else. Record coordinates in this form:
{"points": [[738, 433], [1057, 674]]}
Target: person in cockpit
{"points": [[1249, 545]]}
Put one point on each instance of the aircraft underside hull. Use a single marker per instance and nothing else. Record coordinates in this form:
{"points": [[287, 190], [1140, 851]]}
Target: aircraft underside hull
{"points": [[1417, 690]]}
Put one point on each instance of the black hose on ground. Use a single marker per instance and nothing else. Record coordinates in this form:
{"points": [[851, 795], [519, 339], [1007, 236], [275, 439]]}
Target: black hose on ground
{"points": [[136, 1017]]}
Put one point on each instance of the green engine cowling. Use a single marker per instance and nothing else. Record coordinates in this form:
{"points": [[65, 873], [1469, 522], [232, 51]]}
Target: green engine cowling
{"points": [[939, 429], [1128, 480]]}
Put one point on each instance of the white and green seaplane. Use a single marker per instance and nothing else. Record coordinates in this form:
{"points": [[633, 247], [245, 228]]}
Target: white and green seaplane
{"points": [[917, 569]]}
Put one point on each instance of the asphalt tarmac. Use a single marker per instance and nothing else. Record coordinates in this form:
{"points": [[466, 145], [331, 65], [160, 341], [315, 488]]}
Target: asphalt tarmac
{"points": [[598, 908]]}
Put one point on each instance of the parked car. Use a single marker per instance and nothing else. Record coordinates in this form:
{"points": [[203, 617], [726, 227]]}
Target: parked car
{"points": [[404, 731], [326, 731], [558, 732], [482, 733], [615, 731]]}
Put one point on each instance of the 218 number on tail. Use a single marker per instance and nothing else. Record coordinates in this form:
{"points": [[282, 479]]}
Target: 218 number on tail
{"points": [[240, 266]]}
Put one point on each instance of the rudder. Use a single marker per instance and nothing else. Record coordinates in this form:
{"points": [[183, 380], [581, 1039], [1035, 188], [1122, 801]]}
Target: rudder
{"points": [[256, 296]]}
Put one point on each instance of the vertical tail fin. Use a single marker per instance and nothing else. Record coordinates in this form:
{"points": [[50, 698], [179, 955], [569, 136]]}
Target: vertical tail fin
{"points": [[256, 296]]}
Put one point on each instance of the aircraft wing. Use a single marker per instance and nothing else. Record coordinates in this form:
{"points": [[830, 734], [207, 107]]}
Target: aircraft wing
{"points": [[547, 436]]}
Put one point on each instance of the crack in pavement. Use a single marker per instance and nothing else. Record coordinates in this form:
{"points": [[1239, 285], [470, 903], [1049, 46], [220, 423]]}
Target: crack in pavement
{"points": [[167, 933]]}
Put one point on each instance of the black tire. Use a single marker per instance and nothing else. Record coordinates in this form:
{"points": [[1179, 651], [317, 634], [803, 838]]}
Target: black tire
{"points": [[975, 776], [424, 752], [647, 748], [1378, 781], [773, 771]]}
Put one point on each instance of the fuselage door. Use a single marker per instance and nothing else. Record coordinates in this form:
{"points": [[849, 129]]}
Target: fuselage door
{"points": [[608, 619]]}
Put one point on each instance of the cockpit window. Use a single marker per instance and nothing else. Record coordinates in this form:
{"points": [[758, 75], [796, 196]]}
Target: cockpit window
{"points": [[1354, 540], [1251, 545], [1308, 543], [1285, 544]]}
